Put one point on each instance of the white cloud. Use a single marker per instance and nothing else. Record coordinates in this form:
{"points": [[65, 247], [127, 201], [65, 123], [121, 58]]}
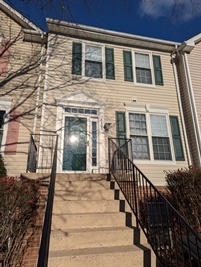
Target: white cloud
{"points": [[181, 10]]}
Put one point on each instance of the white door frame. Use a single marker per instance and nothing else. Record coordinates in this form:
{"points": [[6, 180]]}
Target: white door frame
{"points": [[88, 102]]}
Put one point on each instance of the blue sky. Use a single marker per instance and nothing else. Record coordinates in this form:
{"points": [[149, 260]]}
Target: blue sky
{"points": [[174, 20]]}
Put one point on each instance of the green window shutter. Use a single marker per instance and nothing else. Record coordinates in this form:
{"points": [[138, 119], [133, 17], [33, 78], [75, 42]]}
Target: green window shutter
{"points": [[109, 62], [77, 58], [128, 69], [121, 126], [158, 70], [178, 149]]}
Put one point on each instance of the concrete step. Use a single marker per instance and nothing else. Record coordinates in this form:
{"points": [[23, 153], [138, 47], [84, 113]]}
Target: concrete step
{"points": [[80, 177], [85, 194], [118, 256], [81, 185], [88, 220], [91, 237], [83, 206]]}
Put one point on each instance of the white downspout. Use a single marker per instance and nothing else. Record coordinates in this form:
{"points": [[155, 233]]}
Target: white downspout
{"points": [[38, 86], [181, 111], [43, 104], [192, 106], [45, 86]]}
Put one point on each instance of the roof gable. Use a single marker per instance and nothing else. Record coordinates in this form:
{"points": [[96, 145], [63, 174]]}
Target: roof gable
{"points": [[18, 18]]}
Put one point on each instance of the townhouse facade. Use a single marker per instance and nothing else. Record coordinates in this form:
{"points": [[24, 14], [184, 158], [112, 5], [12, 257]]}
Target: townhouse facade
{"points": [[102, 84], [87, 85], [22, 51]]}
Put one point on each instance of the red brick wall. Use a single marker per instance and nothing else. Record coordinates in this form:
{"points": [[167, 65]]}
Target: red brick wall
{"points": [[31, 255]]}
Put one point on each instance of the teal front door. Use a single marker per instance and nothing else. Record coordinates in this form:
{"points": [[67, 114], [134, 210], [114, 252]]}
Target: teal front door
{"points": [[75, 144]]}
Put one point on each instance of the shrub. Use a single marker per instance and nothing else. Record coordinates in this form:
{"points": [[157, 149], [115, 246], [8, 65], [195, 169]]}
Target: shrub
{"points": [[18, 209], [184, 186]]}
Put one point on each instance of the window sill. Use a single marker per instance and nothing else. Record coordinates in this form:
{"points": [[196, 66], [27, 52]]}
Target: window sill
{"points": [[145, 85], [155, 162], [102, 80]]}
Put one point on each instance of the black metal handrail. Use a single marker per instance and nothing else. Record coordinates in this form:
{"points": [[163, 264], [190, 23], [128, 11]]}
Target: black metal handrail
{"points": [[174, 242], [45, 239]]}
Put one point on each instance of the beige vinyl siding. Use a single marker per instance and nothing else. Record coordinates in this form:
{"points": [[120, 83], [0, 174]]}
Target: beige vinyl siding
{"points": [[114, 93], [21, 86]]}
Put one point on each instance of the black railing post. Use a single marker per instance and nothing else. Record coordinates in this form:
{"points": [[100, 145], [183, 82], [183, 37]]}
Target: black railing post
{"points": [[135, 195], [109, 160]]}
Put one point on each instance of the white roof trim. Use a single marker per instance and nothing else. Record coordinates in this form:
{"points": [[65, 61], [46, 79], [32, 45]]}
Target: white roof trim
{"points": [[102, 35], [100, 30], [32, 25], [195, 39]]}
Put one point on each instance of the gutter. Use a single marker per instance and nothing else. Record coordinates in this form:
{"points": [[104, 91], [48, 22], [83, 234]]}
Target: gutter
{"points": [[114, 37], [181, 109], [109, 32], [196, 127]]}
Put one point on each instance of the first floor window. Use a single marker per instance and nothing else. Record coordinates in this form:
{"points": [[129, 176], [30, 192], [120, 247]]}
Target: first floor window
{"points": [[149, 135], [160, 139], [139, 137]]}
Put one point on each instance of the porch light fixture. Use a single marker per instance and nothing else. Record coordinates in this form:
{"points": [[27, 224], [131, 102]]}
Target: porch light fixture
{"points": [[107, 126]]}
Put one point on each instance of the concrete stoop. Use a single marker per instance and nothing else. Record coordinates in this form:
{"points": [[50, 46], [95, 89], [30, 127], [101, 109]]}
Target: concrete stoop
{"points": [[88, 228]]}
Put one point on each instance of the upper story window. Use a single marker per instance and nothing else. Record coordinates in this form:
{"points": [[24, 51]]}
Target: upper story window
{"points": [[87, 60], [143, 69], [147, 69], [93, 61]]}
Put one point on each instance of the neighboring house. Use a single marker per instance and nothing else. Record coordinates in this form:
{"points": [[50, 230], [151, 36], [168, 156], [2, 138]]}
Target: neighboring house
{"points": [[101, 84], [189, 71], [22, 52]]}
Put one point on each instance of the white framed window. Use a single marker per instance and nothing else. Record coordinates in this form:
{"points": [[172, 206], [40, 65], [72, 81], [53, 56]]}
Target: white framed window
{"points": [[142, 67], [150, 136], [93, 66], [93, 60], [153, 134], [139, 136], [160, 137], [5, 104]]}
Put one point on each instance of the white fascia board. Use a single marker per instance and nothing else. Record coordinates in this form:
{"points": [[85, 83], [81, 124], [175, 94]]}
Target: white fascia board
{"points": [[196, 39], [62, 27]]}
